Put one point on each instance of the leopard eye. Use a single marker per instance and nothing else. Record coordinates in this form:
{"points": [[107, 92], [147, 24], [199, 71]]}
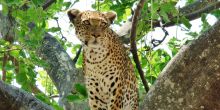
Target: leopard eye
{"points": [[86, 22], [104, 24]]}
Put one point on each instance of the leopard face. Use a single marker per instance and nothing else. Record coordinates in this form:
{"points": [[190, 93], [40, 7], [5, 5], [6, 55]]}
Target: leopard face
{"points": [[90, 26]]}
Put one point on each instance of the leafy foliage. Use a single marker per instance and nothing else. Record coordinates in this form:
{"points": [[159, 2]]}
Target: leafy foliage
{"points": [[21, 59], [216, 13], [122, 7], [80, 94]]}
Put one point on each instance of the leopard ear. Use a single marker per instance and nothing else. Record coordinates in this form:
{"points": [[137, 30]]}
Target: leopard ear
{"points": [[72, 14], [111, 16]]}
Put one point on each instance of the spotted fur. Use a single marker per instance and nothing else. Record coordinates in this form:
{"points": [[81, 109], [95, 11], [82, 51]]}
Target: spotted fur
{"points": [[109, 74]]}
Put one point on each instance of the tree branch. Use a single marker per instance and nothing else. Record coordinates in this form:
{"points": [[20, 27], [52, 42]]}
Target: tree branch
{"points": [[133, 43], [190, 81], [190, 13], [62, 36], [61, 70], [13, 98], [48, 3], [4, 61], [77, 55]]}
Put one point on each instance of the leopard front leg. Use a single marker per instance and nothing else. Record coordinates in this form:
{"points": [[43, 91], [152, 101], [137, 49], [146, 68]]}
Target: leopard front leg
{"points": [[116, 100], [116, 104], [96, 103]]}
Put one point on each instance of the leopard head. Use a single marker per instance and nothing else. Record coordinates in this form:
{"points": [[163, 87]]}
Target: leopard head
{"points": [[90, 26]]}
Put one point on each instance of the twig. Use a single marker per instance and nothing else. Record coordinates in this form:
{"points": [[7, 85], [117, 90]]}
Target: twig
{"points": [[5, 58], [8, 50], [156, 42], [54, 96], [133, 43], [60, 30], [48, 3], [77, 55]]}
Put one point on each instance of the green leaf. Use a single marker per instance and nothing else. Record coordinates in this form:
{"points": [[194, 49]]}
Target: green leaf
{"points": [[151, 79], [4, 9], [38, 2], [189, 2], [216, 13], [186, 22], [11, 3], [9, 66], [10, 76], [74, 98], [43, 98], [81, 89], [193, 34], [15, 53], [173, 45], [67, 4], [54, 29], [155, 8], [165, 16], [21, 77], [169, 7], [4, 42], [144, 61], [56, 106]]}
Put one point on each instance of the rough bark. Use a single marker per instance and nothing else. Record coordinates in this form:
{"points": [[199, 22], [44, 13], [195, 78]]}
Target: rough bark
{"points": [[13, 98], [191, 81], [61, 70]]}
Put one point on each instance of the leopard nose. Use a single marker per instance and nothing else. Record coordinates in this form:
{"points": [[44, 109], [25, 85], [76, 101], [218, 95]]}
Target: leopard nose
{"points": [[96, 35]]}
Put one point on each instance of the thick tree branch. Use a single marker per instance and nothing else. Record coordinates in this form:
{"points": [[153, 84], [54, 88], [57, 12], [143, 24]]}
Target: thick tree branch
{"points": [[133, 43], [60, 62], [13, 98], [190, 81], [197, 5], [61, 70], [192, 11]]}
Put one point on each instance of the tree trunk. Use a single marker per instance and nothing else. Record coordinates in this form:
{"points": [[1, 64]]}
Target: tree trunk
{"points": [[191, 80]]}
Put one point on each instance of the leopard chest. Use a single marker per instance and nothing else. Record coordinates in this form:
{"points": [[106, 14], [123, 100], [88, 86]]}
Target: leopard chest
{"points": [[101, 75]]}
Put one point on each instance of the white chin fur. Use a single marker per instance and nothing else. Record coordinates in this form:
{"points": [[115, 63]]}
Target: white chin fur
{"points": [[93, 45]]}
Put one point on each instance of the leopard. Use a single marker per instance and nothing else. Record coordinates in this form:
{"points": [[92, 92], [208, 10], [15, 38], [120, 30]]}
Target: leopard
{"points": [[109, 74]]}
